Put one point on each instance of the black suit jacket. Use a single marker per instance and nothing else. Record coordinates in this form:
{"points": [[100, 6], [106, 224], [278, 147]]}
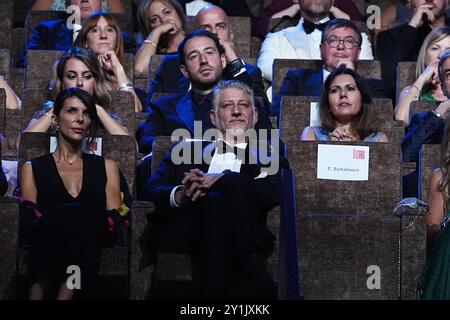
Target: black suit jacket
{"points": [[308, 82], [169, 78], [54, 35], [176, 112], [171, 228], [169, 175]]}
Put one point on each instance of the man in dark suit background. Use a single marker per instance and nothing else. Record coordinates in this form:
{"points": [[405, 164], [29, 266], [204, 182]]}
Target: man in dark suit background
{"points": [[219, 203], [403, 42], [169, 78], [202, 60], [56, 35], [340, 44]]}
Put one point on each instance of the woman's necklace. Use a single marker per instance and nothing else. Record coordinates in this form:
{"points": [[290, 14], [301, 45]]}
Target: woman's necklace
{"points": [[69, 162]]}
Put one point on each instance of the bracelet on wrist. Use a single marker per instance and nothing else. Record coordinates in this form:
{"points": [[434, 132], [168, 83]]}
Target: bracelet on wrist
{"points": [[151, 43], [415, 95], [125, 86]]}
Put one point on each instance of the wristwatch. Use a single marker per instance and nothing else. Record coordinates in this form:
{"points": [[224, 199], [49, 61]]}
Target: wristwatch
{"points": [[234, 68], [437, 113]]}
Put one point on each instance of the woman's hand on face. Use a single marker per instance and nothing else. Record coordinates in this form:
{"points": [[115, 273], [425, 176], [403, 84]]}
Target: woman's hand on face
{"points": [[166, 27], [109, 61], [341, 134], [429, 75]]}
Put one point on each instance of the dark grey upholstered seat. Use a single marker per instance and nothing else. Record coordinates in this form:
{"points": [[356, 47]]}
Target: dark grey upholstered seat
{"points": [[5, 62], [344, 227], [406, 75], [120, 263], [9, 127], [295, 116], [38, 71], [9, 220], [6, 23], [429, 159], [419, 106], [171, 277], [366, 68]]}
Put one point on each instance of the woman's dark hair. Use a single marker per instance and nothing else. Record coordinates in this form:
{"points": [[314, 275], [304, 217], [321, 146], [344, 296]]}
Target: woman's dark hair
{"points": [[86, 99], [196, 34], [361, 124]]}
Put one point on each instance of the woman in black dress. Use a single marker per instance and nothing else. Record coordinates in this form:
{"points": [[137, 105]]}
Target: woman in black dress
{"points": [[74, 190]]}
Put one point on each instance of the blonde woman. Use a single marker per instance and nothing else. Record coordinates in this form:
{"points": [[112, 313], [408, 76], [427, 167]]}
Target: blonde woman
{"points": [[162, 26], [427, 86]]}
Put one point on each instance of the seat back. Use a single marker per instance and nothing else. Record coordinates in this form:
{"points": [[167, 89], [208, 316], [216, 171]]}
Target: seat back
{"points": [[406, 75], [9, 219], [421, 106], [161, 146], [5, 62], [429, 159], [366, 68], [295, 116], [39, 66], [2, 110], [346, 231], [370, 197]]}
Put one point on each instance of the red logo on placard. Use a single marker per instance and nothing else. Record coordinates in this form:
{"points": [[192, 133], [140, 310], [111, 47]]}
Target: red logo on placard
{"points": [[93, 146], [359, 154]]}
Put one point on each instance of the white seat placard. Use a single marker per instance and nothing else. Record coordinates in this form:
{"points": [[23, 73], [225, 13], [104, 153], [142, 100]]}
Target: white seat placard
{"points": [[348, 163]]}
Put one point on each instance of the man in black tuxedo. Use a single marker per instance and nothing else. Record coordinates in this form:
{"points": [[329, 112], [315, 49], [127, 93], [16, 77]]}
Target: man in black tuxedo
{"points": [[340, 44], [218, 203], [55, 34], [169, 78], [202, 60], [403, 42]]}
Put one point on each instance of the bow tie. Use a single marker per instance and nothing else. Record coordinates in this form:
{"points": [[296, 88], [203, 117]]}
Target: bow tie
{"points": [[309, 26], [201, 99]]}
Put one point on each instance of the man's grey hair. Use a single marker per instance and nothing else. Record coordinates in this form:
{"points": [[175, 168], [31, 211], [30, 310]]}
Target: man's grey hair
{"points": [[227, 84]]}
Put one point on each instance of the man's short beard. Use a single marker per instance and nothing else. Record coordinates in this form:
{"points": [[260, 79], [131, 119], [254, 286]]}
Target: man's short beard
{"points": [[316, 15], [202, 86]]}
